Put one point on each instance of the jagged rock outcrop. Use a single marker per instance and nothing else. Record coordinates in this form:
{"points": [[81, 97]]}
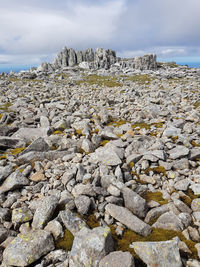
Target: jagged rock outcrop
{"points": [[100, 59]]}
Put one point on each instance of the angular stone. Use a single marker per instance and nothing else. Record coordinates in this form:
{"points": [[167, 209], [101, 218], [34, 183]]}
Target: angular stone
{"points": [[82, 189], [90, 246], [3, 234], [134, 202], [126, 217], [118, 259], [5, 172], [11, 142], [37, 145], [30, 134], [178, 152], [26, 249], [195, 205], [105, 156], [55, 228], [195, 188], [194, 153], [182, 185], [4, 214], [21, 215], [14, 181], [73, 223], [44, 212], [83, 204], [169, 221], [162, 254], [155, 213]]}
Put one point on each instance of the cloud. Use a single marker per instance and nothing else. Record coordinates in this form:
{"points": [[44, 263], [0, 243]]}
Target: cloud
{"points": [[33, 31]]}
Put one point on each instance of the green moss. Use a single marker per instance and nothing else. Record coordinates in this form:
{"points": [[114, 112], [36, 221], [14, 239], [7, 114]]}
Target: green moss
{"points": [[190, 194], [91, 221], [66, 242], [5, 107], [186, 199], [16, 151], [115, 123], [156, 196], [104, 142], [157, 170], [107, 81], [197, 104], [57, 132], [194, 144], [140, 79], [143, 125], [156, 235]]}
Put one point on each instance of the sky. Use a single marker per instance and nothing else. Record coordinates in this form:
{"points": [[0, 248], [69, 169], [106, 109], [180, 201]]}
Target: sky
{"points": [[33, 31]]}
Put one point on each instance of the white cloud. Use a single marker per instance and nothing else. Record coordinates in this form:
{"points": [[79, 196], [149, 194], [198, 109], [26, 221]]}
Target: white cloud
{"points": [[33, 30]]}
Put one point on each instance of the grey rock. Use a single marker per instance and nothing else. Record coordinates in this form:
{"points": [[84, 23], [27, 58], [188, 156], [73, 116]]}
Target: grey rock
{"points": [[55, 228], [195, 205], [155, 213], [82, 189], [125, 216], [90, 246], [14, 181], [162, 254], [21, 215], [169, 221], [26, 249], [134, 202], [182, 185], [37, 145], [118, 259], [195, 188], [73, 223], [83, 204], [44, 212], [4, 214], [194, 153], [178, 152], [11, 142], [5, 172], [105, 156], [3, 234], [30, 134]]}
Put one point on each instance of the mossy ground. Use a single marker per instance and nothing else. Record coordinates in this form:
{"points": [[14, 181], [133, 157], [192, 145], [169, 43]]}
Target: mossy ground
{"points": [[157, 170], [107, 81], [156, 196], [65, 242], [140, 78], [5, 107]]}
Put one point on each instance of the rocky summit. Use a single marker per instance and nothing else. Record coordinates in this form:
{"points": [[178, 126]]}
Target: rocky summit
{"points": [[100, 163]]}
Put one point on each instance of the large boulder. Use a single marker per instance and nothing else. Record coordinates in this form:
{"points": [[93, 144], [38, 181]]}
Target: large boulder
{"points": [[118, 259], [90, 246], [26, 249], [162, 254]]}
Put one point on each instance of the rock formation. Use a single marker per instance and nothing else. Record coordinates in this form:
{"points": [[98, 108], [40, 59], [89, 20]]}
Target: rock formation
{"points": [[100, 59]]}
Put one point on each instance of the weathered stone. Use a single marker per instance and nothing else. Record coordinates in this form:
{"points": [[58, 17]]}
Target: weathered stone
{"points": [[44, 212], [90, 246], [134, 202], [178, 152], [169, 221], [21, 215], [162, 254], [11, 142], [182, 185], [37, 176], [4, 214], [124, 216], [194, 153], [83, 204], [26, 249], [30, 134], [55, 228], [5, 172], [37, 145], [118, 259], [195, 205], [73, 223], [14, 181]]}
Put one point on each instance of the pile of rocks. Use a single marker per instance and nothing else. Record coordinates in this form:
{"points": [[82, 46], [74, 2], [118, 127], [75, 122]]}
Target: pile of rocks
{"points": [[100, 59], [119, 146]]}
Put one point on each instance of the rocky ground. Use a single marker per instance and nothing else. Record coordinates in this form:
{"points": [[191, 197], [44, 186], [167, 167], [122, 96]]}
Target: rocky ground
{"points": [[100, 168]]}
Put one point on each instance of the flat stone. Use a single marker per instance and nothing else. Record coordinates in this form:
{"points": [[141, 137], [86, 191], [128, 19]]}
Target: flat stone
{"points": [[182, 185], [105, 156], [38, 176], [90, 246], [83, 204], [44, 212], [118, 259], [162, 254], [11, 142], [14, 181], [127, 218], [30, 134], [134, 202], [195, 188], [5, 172], [26, 249], [178, 152], [39, 145]]}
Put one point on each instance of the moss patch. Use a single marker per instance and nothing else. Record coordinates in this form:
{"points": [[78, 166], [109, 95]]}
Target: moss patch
{"points": [[57, 132], [16, 151], [116, 123], [157, 170], [197, 104], [194, 144], [156, 196], [156, 235], [5, 107], [91, 220], [143, 125], [107, 81], [140, 79], [66, 242]]}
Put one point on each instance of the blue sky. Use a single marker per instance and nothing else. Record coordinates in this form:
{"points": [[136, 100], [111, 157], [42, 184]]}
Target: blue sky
{"points": [[34, 31]]}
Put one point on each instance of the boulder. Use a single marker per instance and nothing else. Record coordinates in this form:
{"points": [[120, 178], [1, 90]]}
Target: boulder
{"points": [[118, 259]]}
